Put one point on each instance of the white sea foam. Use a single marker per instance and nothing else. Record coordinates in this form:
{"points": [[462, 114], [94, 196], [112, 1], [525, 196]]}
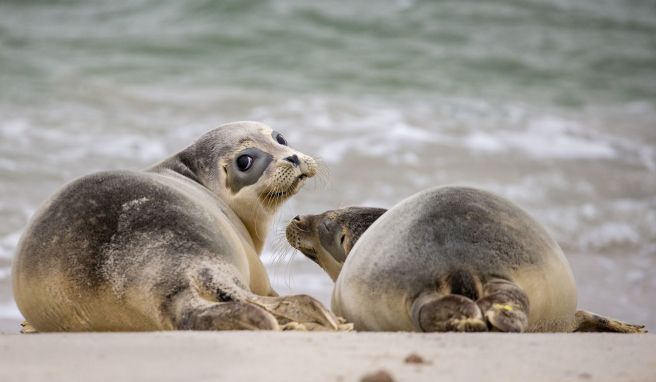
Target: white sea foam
{"points": [[607, 234], [481, 141], [383, 131], [546, 137]]}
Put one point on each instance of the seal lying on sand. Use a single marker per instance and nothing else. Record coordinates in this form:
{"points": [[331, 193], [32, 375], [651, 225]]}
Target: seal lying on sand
{"points": [[172, 247], [447, 259]]}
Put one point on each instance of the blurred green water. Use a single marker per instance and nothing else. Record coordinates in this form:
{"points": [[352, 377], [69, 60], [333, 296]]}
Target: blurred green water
{"points": [[555, 52]]}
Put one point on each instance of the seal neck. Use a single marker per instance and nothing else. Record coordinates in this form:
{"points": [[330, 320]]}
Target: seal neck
{"points": [[256, 220]]}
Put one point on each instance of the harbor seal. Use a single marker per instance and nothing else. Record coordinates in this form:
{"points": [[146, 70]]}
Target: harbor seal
{"points": [[175, 246], [446, 259]]}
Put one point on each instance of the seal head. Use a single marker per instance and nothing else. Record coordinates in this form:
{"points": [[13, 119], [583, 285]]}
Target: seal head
{"points": [[250, 166], [328, 238]]}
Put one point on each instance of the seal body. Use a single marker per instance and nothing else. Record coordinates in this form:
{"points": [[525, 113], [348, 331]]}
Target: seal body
{"points": [[446, 259], [173, 247], [453, 240]]}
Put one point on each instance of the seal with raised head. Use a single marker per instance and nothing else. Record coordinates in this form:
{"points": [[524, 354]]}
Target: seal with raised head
{"points": [[446, 259], [173, 247]]}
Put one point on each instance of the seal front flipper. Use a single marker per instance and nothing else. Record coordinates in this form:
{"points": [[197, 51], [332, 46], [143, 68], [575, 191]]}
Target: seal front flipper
{"points": [[590, 322], [432, 312], [505, 306]]}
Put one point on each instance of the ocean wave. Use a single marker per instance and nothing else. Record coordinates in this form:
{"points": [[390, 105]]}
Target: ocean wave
{"points": [[384, 130], [545, 138]]}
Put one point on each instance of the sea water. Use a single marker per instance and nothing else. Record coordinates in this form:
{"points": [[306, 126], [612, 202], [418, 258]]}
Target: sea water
{"points": [[550, 103]]}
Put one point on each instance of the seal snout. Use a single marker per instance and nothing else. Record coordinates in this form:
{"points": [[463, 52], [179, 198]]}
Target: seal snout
{"points": [[298, 233], [294, 231], [306, 164], [293, 159], [300, 223]]}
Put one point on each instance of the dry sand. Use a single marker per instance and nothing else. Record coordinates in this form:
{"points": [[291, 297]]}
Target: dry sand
{"points": [[296, 356]]}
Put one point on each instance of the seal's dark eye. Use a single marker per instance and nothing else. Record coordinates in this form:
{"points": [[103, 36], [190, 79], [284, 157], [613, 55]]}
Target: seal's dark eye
{"points": [[244, 162], [281, 140]]}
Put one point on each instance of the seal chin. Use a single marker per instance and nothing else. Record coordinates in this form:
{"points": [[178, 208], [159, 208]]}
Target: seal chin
{"points": [[310, 253]]}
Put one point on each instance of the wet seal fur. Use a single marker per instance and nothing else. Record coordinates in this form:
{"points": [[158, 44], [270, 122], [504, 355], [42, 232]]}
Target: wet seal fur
{"points": [[173, 247], [446, 259]]}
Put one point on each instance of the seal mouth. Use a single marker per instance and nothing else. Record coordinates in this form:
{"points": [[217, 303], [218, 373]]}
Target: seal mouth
{"points": [[310, 253], [291, 190]]}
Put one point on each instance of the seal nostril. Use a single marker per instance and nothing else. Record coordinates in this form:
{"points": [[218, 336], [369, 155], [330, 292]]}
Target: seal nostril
{"points": [[294, 160], [297, 218]]}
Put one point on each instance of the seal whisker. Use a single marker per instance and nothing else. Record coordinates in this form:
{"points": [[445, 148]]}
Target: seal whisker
{"points": [[323, 173], [297, 227], [291, 251]]}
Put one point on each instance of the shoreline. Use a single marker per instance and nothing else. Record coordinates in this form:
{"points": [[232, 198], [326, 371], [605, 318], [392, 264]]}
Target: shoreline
{"points": [[303, 356]]}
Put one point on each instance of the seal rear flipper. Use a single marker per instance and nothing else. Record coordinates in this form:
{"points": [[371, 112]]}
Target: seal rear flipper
{"points": [[590, 322], [303, 312], [432, 312], [27, 328], [505, 306], [228, 316], [190, 311]]}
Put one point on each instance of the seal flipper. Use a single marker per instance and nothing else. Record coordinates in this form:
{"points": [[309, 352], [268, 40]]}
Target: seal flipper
{"points": [[27, 328], [590, 322], [190, 310], [228, 316], [505, 306], [300, 312], [432, 312], [212, 303]]}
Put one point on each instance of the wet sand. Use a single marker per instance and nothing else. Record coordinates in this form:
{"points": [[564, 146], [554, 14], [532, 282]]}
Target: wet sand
{"points": [[294, 356]]}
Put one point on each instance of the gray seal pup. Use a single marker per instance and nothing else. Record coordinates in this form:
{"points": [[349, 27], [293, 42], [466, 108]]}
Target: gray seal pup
{"points": [[175, 246], [446, 259]]}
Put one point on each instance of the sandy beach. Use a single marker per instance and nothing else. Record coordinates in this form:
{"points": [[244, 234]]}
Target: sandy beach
{"points": [[296, 356]]}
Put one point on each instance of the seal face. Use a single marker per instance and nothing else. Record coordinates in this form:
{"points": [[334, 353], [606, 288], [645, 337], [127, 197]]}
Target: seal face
{"points": [[327, 238], [173, 247], [446, 259]]}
